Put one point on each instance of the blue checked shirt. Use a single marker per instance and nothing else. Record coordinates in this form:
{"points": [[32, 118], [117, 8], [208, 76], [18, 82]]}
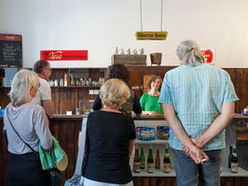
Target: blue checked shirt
{"points": [[197, 94]]}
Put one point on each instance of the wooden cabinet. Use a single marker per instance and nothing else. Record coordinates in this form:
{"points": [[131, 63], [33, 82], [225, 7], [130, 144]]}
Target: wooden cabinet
{"points": [[67, 97], [238, 77], [81, 85]]}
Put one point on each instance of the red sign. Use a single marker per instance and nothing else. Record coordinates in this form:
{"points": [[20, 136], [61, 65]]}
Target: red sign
{"points": [[63, 55], [10, 37], [209, 55]]}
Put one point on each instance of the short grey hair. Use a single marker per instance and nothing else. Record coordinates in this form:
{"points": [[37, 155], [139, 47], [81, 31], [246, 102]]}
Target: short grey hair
{"points": [[21, 85], [190, 53], [40, 65]]}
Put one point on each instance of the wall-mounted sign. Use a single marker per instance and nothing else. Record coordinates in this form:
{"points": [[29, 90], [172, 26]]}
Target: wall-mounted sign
{"points": [[64, 55], [151, 35], [209, 55], [10, 50]]}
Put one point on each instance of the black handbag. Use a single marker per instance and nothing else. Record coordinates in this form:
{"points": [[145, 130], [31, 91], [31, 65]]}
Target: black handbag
{"points": [[55, 177]]}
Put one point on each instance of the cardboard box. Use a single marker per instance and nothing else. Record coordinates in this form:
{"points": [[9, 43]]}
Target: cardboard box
{"points": [[128, 59]]}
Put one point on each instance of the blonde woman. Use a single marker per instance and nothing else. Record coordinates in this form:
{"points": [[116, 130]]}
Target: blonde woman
{"points": [[149, 100], [30, 122], [110, 139]]}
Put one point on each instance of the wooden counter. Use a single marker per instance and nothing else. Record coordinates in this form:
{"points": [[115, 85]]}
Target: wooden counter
{"points": [[65, 128], [147, 117]]}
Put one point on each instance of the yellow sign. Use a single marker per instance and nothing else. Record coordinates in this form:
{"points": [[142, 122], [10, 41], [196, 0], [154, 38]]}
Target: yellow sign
{"points": [[151, 35]]}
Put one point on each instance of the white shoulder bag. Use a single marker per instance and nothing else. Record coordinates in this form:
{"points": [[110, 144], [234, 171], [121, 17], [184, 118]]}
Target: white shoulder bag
{"points": [[75, 179]]}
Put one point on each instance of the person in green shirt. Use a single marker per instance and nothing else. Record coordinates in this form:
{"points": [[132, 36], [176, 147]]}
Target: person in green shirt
{"points": [[149, 100]]}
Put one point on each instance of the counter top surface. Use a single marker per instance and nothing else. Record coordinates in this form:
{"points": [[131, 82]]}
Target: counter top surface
{"points": [[144, 117], [160, 117], [64, 116]]}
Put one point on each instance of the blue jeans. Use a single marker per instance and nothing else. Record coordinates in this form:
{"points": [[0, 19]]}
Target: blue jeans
{"points": [[189, 174]]}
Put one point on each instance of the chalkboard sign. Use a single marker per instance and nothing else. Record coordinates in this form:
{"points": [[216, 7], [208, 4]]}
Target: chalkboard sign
{"points": [[10, 50]]}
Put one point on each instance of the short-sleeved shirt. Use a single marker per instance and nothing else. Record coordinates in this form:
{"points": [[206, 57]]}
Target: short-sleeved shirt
{"points": [[44, 92], [197, 94], [30, 121], [108, 136], [150, 103], [132, 104]]}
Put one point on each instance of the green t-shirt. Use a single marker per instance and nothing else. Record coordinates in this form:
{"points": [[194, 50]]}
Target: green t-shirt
{"points": [[150, 103]]}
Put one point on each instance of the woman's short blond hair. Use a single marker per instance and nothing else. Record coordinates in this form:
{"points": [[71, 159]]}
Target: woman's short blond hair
{"points": [[21, 85], [114, 92]]}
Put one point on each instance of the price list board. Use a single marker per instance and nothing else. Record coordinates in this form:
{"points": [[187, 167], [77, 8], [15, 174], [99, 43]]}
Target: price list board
{"points": [[10, 51]]}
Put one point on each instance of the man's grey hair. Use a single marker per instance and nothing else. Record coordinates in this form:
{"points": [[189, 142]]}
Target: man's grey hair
{"points": [[190, 53], [40, 65], [21, 85]]}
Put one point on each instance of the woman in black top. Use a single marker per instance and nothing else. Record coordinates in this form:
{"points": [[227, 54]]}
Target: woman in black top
{"points": [[110, 139], [131, 106], [119, 71]]}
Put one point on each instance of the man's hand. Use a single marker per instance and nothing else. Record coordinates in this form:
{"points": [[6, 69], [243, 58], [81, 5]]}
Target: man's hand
{"points": [[197, 142], [196, 154]]}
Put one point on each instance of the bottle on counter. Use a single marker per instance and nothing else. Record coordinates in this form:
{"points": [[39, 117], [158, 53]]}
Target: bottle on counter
{"points": [[234, 160], [56, 82], [72, 83], [166, 160], [150, 162], [66, 80], [61, 82], [230, 156], [136, 162], [157, 160], [142, 159]]}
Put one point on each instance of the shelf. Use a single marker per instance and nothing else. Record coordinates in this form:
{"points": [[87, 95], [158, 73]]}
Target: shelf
{"points": [[242, 138], [150, 123], [93, 87], [159, 142], [159, 173], [227, 173]]}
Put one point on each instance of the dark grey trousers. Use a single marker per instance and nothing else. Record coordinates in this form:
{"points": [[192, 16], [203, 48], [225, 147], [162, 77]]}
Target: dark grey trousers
{"points": [[190, 174]]}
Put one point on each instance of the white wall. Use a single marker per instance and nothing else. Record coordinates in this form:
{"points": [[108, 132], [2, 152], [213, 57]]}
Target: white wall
{"points": [[101, 25]]}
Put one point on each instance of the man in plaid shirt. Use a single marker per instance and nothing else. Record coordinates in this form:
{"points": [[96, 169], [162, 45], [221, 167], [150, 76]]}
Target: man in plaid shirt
{"points": [[198, 102]]}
